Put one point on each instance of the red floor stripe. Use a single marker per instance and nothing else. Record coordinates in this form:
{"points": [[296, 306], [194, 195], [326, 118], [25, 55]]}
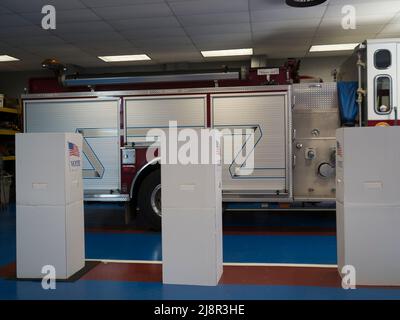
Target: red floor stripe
{"points": [[139, 272], [8, 270], [242, 275], [254, 275], [291, 276]]}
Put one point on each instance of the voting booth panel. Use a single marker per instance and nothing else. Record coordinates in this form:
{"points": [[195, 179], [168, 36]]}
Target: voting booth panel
{"points": [[368, 203], [48, 170], [50, 221], [192, 220]]}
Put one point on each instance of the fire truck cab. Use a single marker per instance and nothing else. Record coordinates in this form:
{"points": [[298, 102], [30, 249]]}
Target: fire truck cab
{"points": [[378, 67]]}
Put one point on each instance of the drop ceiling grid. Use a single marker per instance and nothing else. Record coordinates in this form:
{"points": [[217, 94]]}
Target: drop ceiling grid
{"points": [[135, 49], [26, 39], [179, 29]]}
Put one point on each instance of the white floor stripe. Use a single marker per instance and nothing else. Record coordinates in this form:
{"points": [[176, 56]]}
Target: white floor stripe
{"points": [[239, 264]]}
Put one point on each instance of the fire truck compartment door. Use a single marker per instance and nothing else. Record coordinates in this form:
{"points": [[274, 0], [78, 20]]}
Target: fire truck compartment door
{"points": [[97, 120], [267, 114], [145, 113]]}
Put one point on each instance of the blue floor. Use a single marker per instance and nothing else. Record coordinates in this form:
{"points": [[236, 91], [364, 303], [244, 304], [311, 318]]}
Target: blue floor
{"points": [[7, 236], [237, 248], [116, 290], [147, 246]]}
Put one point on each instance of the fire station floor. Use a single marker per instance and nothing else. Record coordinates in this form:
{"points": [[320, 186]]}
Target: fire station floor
{"points": [[266, 256]]}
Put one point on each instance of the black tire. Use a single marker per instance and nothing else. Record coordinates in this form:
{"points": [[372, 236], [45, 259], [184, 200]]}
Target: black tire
{"points": [[150, 184]]}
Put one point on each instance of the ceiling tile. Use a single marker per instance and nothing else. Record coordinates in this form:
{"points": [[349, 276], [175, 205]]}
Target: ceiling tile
{"points": [[352, 2], [83, 27], [287, 14], [109, 48], [114, 3], [63, 16], [4, 10], [149, 33], [93, 37], [144, 23], [228, 41], [218, 29], [360, 21], [19, 6], [18, 53], [148, 10], [287, 25], [342, 39], [63, 49], [283, 47], [12, 20], [278, 42], [385, 8], [288, 36], [208, 6], [164, 41], [43, 40], [24, 31], [210, 45], [326, 31], [227, 37], [267, 5], [215, 18]]}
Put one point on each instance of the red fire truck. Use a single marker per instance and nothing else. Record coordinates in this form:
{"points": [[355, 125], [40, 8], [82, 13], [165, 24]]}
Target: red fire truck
{"points": [[294, 127]]}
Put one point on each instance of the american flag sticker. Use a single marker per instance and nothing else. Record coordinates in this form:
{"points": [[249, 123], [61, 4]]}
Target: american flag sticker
{"points": [[73, 149], [74, 153]]}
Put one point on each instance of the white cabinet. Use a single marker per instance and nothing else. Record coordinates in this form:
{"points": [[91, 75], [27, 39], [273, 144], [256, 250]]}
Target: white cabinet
{"points": [[192, 221], [368, 203], [50, 222]]}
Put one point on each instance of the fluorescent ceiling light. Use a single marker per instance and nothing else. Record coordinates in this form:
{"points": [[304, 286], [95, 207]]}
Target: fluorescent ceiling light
{"points": [[227, 53], [5, 58], [334, 47], [131, 57]]}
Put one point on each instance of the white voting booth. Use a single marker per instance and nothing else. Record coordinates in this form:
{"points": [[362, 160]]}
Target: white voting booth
{"points": [[192, 217], [50, 222], [368, 203]]}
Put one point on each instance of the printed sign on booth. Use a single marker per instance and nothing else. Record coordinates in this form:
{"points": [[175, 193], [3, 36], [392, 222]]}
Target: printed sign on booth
{"points": [[74, 156]]}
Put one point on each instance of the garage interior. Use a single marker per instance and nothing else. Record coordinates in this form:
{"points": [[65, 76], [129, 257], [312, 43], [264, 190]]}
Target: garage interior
{"points": [[285, 248]]}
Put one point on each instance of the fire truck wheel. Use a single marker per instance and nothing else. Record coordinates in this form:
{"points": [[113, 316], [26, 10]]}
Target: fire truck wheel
{"points": [[149, 200]]}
